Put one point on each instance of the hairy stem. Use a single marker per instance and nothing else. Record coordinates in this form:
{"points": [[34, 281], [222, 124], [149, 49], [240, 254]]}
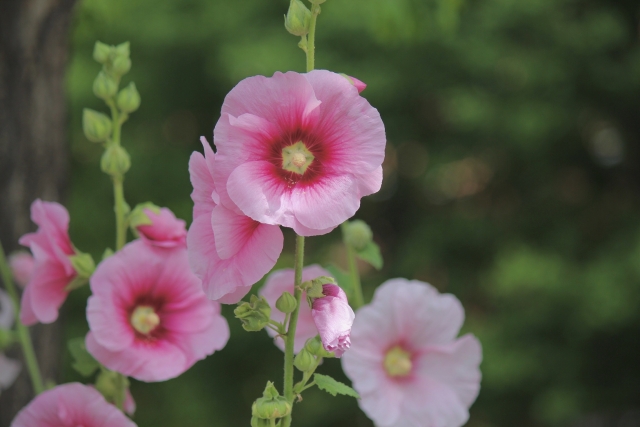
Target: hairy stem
{"points": [[23, 331], [358, 299]]}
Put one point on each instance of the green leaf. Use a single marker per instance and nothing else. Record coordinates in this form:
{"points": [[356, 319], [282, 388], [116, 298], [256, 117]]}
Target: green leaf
{"points": [[334, 387], [84, 363], [371, 254]]}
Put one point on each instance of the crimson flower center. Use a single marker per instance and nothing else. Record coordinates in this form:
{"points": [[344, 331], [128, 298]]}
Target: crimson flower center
{"points": [[397, 362], [296, 158], [144, 319]]}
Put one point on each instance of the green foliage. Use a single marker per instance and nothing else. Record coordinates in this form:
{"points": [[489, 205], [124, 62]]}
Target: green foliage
{"points": [[84, 363], [334, 387]]}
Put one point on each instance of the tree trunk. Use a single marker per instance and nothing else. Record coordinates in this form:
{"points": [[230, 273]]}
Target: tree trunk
{"points": [[33, 150]]}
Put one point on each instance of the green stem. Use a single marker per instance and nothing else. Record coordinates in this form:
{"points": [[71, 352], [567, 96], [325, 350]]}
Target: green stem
{"points": [[311, 38], [358, 299], [23, 332], [121, 228], [121, 387], [293, 323]]}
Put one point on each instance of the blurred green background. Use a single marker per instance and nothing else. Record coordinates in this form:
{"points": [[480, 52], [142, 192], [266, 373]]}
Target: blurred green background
{"points": [[511, 180]]}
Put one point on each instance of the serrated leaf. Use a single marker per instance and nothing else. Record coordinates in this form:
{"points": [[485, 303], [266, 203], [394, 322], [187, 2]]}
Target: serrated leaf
{"points": [[342, 277], [84, 363], [334, 387], [371, 254]]}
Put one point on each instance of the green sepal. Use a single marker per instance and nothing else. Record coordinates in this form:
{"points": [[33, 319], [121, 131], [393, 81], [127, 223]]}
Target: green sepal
{"points": [[84, 363], [334, 387], [83, 263], [138, 217], [271, 405], [371, 254], [255, 314], [107, 253]]}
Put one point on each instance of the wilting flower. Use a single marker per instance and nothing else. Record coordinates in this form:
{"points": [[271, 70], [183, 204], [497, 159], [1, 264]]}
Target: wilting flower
{"points": [[9, 368], [406, 362], [228, 251], [333, 317], [165, 230], [22, 265], [70, 405], [148, 316], [51, 248], [283, 280], [298, 150]]}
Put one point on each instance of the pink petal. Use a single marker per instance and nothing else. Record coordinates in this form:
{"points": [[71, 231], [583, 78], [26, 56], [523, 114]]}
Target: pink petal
{"points": [[359, 84], [22, 266], [165, 230], [370, 183], [27, 316], [333, 317]]}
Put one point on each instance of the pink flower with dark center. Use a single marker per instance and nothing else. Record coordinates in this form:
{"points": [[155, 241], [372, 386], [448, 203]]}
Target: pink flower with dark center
{"points": [[280, 281], [9, 368], [51, 248], [165, 230], [333, 317], [405, 359], [148, 316], [22, 265], [298, 150], [71, 405], [228, 251]]}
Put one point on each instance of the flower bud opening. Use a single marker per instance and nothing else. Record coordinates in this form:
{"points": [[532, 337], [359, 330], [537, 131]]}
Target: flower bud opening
{"points": [[397, 362], [144, 319]]}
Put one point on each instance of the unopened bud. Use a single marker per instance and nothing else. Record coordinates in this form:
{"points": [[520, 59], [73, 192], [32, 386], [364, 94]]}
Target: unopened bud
{"points": [[120, 66], [96, 126], [271, 405], [315, 347], [357, 234], [115, 160], [129, 99], [286, 303], [101, 52], [298, 19], [304, 361], [314, 287], [255, 314], [123, 49], [106, 384], [83, 264], [317, 1], [104, 87]]}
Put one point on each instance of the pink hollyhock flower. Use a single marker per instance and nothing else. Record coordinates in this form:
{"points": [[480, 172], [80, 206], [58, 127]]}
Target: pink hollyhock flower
{"points": [[281, 281], [9, 368], [359, 84], [165, 230], [333, 317], [406, 362], [148, 316], [51, 248], [298, 150], [71, 405], [228, 251], [22, 265]]}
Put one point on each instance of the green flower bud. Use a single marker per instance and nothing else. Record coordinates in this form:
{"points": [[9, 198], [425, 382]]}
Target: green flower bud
{"points": [[255, 314], [104, 87], [96, 126], [286, 303], [101, 52], [357, 234], [304, 361], [123, 49], [120, 66], [313, 345], [259, 422], [129, 99], [84, 266], [317, 1], [271, 405], [298, 19], [107, 384], [115, 160]]}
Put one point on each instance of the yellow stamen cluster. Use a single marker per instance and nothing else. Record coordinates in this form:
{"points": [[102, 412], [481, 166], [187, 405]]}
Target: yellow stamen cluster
{"points": [[296, 158], [144, 319], [397, 362]]}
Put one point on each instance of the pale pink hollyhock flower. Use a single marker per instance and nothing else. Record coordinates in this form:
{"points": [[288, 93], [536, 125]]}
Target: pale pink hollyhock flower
{"points": [[22, 265], [298, 150], [165, 230], [405, 359], [333, 317], [71, 405], [9, 368], [228, 251], [51, 248], [148, 316], [283, 280]]}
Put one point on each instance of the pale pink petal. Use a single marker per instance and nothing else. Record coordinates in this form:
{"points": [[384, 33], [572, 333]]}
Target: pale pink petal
{"points": [[165, 230], [431, 403], [22, 266], [203, 186], [333, 317], [129, 404], [384, 407], [359, 84], [9, 370], [370, 183], [27, 316]]}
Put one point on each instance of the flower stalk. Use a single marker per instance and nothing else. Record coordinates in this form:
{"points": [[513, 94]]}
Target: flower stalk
{"points": [[354, 274], [23, 331]]}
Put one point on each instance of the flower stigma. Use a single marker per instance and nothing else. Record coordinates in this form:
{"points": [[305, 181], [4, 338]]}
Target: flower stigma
{"points": [[397, 362], [296, 158], [144, 319]]}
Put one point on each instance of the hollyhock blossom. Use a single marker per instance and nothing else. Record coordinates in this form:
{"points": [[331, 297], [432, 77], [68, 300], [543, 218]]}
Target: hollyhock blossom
{"points": [[53, 271], [298, 150], [228, 251], [9, 368], [71, 405], [22, 265], [281, 281], [165, 230], [359, 84], [405, 359], [148, 316], [333, 317]]}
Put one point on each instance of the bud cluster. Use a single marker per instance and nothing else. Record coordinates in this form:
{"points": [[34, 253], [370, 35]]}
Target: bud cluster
{"points": [[255, 314], [270, 406]]}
